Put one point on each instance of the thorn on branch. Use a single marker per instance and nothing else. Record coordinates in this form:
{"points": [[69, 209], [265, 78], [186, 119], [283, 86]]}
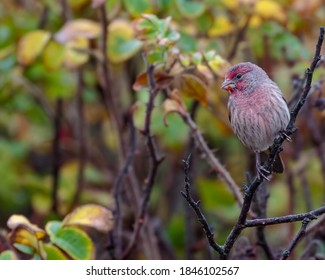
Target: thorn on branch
{"points": [[195, 206]]}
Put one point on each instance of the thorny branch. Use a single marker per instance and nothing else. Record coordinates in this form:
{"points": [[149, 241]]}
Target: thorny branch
{"points": [[196, 207], [296, 239], [251, 188], [155, 159]]}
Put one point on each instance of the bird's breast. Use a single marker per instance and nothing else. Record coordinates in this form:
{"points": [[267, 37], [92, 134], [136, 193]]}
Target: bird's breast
{"points": [[257, 119]]}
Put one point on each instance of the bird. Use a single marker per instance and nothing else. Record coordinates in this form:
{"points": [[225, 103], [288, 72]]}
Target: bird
{"points": [[258, 112]]}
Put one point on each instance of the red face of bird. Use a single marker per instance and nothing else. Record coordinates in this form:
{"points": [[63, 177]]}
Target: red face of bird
{"points": [[242, 77]]}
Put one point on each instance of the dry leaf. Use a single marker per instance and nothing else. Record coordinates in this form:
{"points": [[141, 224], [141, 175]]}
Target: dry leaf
{"points": [[79, 28], [162, 80], [193, 87], [91, 215]]}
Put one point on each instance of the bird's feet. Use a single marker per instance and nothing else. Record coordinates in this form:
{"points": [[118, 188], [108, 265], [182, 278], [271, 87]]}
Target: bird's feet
{"points": [[284, 136], [262, 172]]}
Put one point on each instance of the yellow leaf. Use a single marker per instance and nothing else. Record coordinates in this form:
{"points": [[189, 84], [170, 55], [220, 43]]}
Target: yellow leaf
{"points": [[216, 63], [53, 55], [268, 9], [23, 236], [122, 26], [21, 221], [221, 26], [91, 215], [31, 45], [193, 87], [79, 28], [255, 21], [76, 53], [23, 232], [231, 4]]}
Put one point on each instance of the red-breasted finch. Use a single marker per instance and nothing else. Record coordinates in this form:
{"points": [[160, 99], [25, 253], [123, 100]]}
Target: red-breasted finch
{"points": [[258, 112]]}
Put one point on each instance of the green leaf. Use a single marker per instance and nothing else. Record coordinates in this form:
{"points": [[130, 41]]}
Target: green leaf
{"points": [[190, 9], [174, 136], [52, 228], [75, 242], [187, 43], [54, 253], [121, 49], [156, 31], [24, 248], [136, 8], [121, 42], [204, 22], [8, 255]]}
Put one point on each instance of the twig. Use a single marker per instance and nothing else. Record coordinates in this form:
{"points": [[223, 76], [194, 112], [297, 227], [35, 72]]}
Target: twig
{"points": [[118, 184], [260, 207], [213, 161], [81, 138], [292, 200], [113, 108], [316, 226], [56, 153], [296, 239], [285, 219], [195, 206], [110, 101], [44, 17], [65, 11], [189, 234], [155, 160]]}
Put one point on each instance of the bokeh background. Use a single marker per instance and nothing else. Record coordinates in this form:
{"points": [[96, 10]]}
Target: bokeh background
{"points": [[64, 136]]}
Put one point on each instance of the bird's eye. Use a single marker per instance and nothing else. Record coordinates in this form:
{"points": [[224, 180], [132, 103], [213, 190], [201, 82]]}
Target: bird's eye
{"points": [[238, 76]]}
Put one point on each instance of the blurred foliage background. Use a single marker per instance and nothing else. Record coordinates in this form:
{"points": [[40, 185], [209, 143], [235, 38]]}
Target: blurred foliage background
{"points": [[68, 88]]}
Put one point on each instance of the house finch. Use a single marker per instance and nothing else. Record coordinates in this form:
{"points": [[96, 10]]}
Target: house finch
{"points": [[257, 110]]}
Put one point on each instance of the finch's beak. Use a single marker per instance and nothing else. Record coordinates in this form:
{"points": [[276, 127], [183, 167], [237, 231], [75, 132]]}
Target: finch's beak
{"points": [[228, 85]]}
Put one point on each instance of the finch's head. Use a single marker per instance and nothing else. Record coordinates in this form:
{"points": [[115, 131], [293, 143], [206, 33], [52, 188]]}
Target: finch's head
{"points": [[243, 77]]}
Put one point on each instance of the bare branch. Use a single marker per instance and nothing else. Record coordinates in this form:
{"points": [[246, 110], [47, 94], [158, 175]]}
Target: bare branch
{"points": [[56, 153], [155, 159], [296, 239], [285, 219], [81, 138], [196, 207], [118, 185]]}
